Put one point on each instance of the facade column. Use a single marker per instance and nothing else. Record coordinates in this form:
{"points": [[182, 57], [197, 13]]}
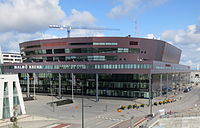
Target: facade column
{"points": [[28, 85], [161, 85], [167, 86], [59, 86], [150, 94], [179, 81], [97, 87], [188, 79], [34, 82], [73, 83]]}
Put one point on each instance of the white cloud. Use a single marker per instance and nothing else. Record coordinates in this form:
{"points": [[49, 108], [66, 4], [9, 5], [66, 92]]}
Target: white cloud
{"points": [[198, 49], [188, 40], [23, 20], [29, 15], [127, 6], [86, 33], [9, 41], [79, 18], [189, 35], [151, 36]]}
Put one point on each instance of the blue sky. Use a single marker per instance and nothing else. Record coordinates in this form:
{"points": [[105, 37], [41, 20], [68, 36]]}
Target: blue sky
{"points": [[174, 21], [171, 15]]}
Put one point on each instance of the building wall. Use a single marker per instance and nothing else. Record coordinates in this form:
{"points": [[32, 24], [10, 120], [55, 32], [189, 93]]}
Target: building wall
{"points": [[195, 77], [122, 63], [11, 58], [10, 96], [117, 48]]}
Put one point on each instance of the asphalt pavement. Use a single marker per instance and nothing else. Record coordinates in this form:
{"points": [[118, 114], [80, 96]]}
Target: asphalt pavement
{"points": [[102, 114]]}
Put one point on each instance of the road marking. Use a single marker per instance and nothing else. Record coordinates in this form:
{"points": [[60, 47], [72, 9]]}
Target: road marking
{"points": [[59, 126], [98, 123], [109, 118]]}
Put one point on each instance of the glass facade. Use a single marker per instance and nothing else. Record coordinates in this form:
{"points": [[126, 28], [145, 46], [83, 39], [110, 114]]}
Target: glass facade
{"points": [[16, 100], [120, 85], [113, 85], [83, 66], [83, 50], [6, 104], [94, 43]]}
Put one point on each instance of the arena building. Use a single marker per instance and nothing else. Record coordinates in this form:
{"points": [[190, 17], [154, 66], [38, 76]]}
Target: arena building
{"points": [[105, 66]]}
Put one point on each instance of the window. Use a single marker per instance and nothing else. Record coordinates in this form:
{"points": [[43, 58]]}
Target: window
{"points": [[49, 51], [57, 51], [61, 58], [122, 50], [133, 43], [134, 50], [74, 44], [5, 88], [107, 43], [33, 46], [49, 58], [5, 55], [17, 59]]}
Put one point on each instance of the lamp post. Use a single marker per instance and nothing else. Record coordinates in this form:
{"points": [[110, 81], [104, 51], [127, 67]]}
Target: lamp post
{"points": [[51, 89], [28, 85], [150, 94], [82, 107], [131, 125], [167, 86], [73, 83]]}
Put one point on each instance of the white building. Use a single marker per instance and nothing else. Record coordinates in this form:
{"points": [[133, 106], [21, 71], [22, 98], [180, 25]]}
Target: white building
{"points": [[195, 77], [11, 58], [11, 100]]}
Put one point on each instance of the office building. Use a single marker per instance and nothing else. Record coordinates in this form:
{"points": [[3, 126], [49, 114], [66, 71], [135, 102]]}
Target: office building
{"points": [[105, 66]]}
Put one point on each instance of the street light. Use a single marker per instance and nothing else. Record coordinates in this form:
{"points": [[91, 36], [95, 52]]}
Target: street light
{"points": [[82, 107], [132, 126]]}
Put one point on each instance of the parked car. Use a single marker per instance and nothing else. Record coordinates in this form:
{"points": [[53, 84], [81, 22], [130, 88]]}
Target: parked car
{"points": [[186, 90], [190, 88]]}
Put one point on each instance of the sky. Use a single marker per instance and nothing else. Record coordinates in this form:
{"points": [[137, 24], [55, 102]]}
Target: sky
{"points": [[174, 21]]}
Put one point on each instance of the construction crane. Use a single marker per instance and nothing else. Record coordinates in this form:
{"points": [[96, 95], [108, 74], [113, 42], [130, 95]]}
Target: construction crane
{"points": [[69, 28]]}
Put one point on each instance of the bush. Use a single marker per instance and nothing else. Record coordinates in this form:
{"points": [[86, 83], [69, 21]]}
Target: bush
{"points": [[123, 107], [141, 105], [134, 106], [164, 102], [129, 106]]}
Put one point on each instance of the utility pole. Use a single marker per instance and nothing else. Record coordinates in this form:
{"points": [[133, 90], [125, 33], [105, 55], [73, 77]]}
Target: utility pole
{"points": [[82, 105], [59, 88], [97, 87], [28, 85], [160, 84], [150, 94], [167, 86], [73, 83]]}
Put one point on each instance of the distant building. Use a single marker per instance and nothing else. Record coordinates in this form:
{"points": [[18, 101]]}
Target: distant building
{"points": [[195, 77], [11, 58], [105, 66], [11, 100]]}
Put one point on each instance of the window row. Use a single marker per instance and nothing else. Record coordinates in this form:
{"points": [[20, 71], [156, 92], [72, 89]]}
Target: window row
{"points": [[95, 43], [71, 58], [82, 50], [83, 66]]}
